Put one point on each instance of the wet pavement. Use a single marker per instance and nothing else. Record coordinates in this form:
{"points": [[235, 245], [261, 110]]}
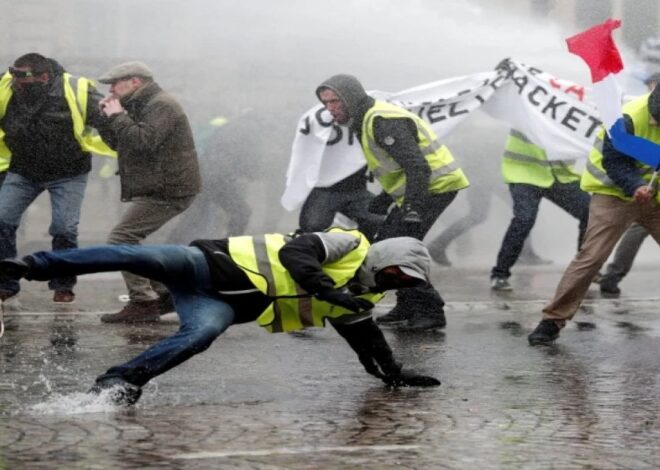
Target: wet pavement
{"points": [[255, 400]]}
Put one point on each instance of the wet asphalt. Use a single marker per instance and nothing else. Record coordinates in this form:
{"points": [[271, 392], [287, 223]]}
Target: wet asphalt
{"points": [[255, 400]]}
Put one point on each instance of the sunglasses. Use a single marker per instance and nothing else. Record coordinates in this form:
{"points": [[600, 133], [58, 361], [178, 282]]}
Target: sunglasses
{"points": [[16, 73]]}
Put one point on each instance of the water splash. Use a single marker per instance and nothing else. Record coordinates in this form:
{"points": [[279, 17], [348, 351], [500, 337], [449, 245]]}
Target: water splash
{"points": [[75, 403]]}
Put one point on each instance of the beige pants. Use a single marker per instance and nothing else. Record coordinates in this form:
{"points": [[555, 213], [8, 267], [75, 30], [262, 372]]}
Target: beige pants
{"points": [[143, 217], [609, 217]]}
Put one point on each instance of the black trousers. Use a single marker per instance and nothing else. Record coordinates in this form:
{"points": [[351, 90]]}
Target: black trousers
{"points": [[419, 298], [526, 200]]}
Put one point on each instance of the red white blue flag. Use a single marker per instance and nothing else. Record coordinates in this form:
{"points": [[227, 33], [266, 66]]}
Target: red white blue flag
{"points": [[597, 48]]}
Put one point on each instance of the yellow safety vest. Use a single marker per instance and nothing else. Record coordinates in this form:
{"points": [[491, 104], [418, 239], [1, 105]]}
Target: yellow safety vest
{"points": [[525, 162], [445, 176], [594, 177], [77, 101], [293, 308]]}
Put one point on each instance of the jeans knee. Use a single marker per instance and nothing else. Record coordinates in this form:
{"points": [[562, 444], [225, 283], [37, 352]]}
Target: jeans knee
{"points": [[202, 336]]}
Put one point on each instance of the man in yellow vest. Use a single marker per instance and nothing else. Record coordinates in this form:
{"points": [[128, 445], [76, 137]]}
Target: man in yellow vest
{"points": [[623, 192], [283, 283], [417, 173], [631, 241], [532, 177], [45, 144]]}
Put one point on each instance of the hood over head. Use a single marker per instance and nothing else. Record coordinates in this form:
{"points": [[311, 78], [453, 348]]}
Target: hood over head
{"points": [[55, 67], [351, 92], [407, 253]]}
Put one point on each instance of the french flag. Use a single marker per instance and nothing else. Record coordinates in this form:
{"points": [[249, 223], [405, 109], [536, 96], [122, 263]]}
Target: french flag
{"points": [[597, 48]]}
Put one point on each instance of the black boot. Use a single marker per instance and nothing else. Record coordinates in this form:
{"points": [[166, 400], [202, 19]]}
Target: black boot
{"points": [[399, 314], [426, 308], [609, 285], [165, 303]]}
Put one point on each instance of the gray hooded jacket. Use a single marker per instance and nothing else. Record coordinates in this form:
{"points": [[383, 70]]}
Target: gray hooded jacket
{"points": [[408, 253]]}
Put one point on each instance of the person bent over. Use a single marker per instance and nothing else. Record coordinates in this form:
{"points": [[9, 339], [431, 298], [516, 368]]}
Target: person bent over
{"points": [[283, 283]]}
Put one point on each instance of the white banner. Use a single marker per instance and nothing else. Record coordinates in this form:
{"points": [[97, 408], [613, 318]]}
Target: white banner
{"points": [[555, 114]]}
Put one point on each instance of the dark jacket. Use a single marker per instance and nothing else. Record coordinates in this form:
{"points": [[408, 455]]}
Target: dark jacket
{"points": [[621, 168], [155, 147], [398, 136], [302, 257], [40, 134]]}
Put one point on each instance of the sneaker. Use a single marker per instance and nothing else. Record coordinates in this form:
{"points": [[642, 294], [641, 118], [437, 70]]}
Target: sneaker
{"points": [[545, 332], [12, 269], [398, 314], [500, 283], [122, 393], [135, 312], [427, 321], [64, 297]]}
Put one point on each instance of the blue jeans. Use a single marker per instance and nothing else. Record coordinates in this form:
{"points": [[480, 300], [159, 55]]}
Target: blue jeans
{"points": [[184, 271], [526, 200], [66, 196]]}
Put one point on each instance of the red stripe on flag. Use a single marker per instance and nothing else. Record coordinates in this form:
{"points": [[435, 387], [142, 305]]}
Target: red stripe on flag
{"points": [[596, 47]]}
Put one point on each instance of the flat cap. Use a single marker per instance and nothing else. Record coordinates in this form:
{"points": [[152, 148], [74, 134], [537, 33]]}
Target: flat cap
{"points": [[126, 70]]}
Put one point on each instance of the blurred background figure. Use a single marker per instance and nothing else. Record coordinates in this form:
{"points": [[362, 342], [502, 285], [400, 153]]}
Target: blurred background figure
{"points": [[230, 161], [484, 186]]}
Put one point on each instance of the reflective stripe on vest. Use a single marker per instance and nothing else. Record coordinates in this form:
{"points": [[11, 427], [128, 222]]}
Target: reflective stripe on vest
{"points": [[594, 177], [86, 136], [292, 307], [525, 162], [445, 176], [77, 101], [5, 94]]}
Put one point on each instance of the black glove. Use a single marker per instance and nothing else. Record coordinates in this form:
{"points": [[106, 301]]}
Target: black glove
{"points": [[410, 215], [337, 297], [380, 204], [410, 379]]}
